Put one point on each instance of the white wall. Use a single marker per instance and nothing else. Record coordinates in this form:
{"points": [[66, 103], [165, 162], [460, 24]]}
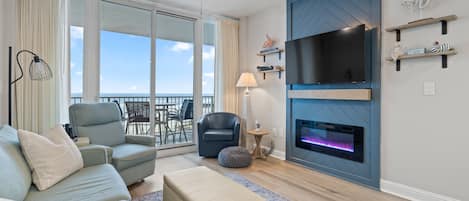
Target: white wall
{"points": [[267, 103], [7, 25], [425, 138]]}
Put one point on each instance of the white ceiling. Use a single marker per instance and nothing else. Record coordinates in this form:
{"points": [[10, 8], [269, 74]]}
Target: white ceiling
{"points": [[231, 8]]}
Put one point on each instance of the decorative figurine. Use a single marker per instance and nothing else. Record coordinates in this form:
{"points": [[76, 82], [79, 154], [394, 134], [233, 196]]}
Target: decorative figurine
{"points": [[397, 51], [268, 42], [258, 126], [436, 48]]}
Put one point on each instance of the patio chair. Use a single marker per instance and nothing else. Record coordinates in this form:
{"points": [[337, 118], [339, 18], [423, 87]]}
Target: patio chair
{"points": [[138, 112], [184, 113]]}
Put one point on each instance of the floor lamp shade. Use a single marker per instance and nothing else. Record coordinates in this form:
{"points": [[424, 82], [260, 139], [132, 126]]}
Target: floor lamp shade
{"points": [[246, 80], [38, 70]]}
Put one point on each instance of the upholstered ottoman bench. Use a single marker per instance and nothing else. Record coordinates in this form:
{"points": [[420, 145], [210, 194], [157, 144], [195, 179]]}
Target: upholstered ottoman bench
{"points": [[203, 184]]}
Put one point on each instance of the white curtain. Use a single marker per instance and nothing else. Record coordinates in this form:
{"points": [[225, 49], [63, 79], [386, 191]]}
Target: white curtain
{"points": [[227, 66], [42, 27]]}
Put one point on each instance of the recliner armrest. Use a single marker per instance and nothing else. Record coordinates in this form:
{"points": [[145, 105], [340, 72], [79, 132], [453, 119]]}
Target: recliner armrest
{"points": [[95, 154], [143, 140]]}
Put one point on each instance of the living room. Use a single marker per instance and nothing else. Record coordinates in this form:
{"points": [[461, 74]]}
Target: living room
{"points": [[233, 100]]}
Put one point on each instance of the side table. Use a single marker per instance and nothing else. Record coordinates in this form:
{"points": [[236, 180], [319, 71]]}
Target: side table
{"points": [[258, 134]]}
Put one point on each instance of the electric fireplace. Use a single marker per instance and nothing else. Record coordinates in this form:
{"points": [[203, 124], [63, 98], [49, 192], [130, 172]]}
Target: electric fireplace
{"points": [[338, 140]]}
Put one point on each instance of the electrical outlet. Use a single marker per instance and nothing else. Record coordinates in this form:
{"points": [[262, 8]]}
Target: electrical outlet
{"points": [[429, 88]]}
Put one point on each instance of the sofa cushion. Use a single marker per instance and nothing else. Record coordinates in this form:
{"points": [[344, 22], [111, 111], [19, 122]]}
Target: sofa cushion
{"points": [[100, 182], [52, 156], [14, 171], [218, 134], [129, 155]]}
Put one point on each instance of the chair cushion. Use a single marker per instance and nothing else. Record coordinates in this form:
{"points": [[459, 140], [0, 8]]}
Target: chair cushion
{"points": [[108, 134], [218, 135], [130, 155], [234, 157], [14, 171], [100, 122], [100, 182], [221, 120]]}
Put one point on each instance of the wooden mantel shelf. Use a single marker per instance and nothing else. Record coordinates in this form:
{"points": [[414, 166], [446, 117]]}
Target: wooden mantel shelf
{"points": [[331, 94], [422, 23]]}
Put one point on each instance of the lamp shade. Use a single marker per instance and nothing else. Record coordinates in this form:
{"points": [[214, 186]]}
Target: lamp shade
{"points": [[246, 80], [39, 69]]}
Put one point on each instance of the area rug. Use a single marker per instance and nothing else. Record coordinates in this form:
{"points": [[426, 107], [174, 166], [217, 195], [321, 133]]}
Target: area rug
{"points": [[267, 194]]}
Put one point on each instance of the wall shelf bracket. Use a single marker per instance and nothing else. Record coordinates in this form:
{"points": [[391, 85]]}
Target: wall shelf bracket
{"points": [[398, 35], [444, 61], [444, 27]]}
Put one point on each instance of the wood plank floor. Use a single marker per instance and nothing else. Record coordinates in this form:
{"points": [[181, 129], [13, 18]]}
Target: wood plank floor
{"points": [[285, 178]]}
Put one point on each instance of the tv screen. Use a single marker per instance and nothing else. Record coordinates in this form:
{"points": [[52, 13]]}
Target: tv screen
{"points": [[333, 57]]}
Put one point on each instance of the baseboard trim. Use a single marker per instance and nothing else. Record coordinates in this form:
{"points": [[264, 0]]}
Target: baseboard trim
{"points": [[412, 193], [276, 153]]}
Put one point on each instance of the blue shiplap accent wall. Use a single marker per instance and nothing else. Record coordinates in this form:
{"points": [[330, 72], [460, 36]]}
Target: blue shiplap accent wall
{"points": [[310, 17]]}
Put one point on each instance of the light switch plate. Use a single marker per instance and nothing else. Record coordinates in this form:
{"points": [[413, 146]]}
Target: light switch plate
{"points": [[429, 88]]}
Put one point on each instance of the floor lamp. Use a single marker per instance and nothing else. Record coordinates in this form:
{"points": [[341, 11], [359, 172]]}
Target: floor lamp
{"points": [[246, 80], [38, 70]]}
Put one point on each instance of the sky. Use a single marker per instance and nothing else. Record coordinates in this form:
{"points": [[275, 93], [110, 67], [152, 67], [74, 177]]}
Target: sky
{"points": [[125, 64]]}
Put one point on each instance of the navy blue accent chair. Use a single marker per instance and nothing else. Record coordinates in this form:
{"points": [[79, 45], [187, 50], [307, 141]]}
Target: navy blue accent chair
{"points": [[217, 131]]}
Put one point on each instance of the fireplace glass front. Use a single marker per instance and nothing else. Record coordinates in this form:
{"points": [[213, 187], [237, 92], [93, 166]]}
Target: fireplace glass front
{"points": [[338, 140]]}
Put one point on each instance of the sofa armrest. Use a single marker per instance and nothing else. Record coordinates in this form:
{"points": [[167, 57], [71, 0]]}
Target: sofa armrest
{"points": [[95, 154], [143, 140]]}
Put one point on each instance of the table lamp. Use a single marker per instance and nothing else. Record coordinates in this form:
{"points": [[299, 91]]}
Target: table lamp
{"points": [[246, 80]]}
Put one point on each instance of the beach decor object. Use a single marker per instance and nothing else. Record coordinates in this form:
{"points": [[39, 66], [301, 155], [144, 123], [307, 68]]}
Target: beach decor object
{"points": [[437, 47], [397, 51], [268, 42], [416, 4]]}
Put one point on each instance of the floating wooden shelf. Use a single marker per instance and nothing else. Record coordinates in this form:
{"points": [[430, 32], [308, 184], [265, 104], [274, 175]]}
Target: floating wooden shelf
{"points": [[444, 25], [332, 94], [422, 23], [414, 56], [444, 56], [279, 52], [277, 69]]}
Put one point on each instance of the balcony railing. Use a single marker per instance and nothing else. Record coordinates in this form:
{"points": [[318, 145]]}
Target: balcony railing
{"points": [[143, 129], [208, 101]]}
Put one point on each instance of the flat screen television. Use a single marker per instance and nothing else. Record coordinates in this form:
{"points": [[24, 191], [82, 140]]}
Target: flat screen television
{"points": [[333, 57]]}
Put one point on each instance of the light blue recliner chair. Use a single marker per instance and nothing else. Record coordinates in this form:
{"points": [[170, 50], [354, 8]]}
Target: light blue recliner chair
{"points": [[132, 156]]}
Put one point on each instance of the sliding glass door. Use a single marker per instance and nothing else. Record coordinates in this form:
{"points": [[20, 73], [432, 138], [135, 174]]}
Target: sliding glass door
{"points": [[125, 54], [153, 64], [174, 78]]}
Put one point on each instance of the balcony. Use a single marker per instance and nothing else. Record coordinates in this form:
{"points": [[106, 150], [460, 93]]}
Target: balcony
{"points": [[168, 131]]}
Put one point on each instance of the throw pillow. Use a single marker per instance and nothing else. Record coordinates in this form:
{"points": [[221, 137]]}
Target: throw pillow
{"points": [[51, 157]]}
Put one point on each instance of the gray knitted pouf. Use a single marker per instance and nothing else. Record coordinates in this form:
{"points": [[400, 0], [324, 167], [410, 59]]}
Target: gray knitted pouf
{"points": [[234, 157]]}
